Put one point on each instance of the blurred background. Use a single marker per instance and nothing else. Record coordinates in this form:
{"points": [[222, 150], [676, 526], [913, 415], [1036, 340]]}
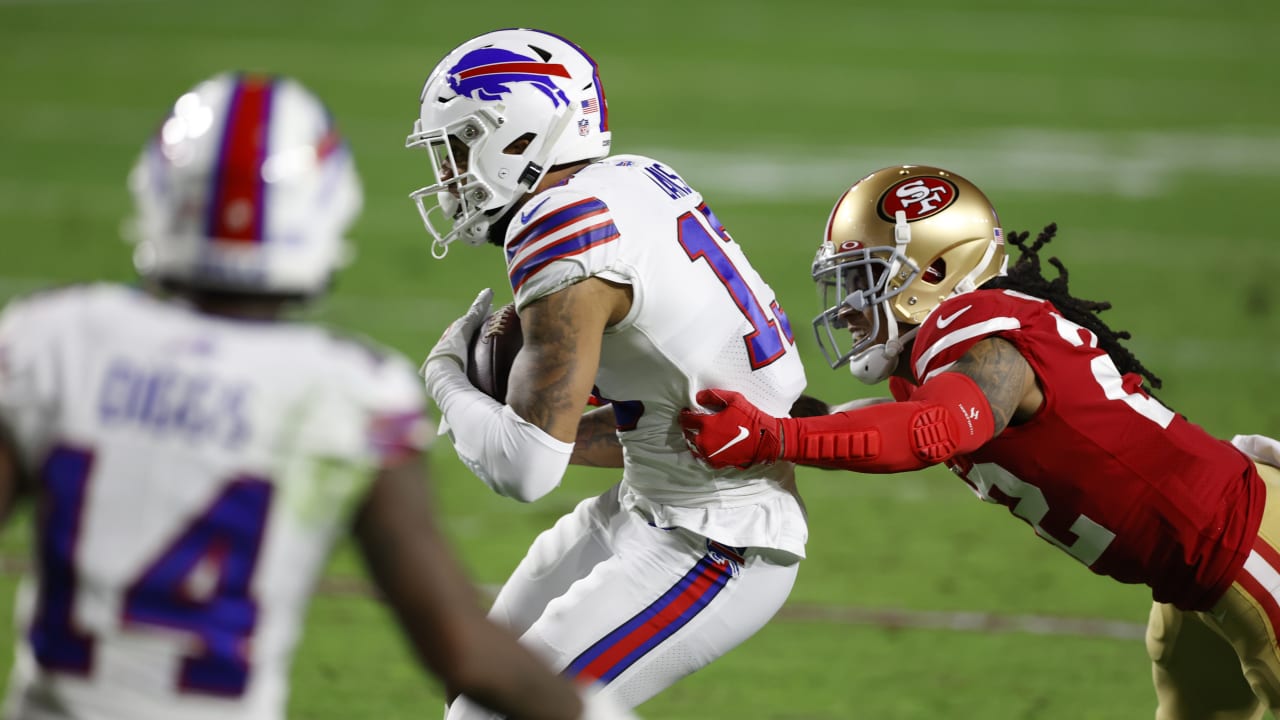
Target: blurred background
{"points": [[1148, 130]]}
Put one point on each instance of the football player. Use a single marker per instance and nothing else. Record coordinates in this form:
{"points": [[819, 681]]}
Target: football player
{"points": [[194, 455], [1033, 401], [629, 288]]}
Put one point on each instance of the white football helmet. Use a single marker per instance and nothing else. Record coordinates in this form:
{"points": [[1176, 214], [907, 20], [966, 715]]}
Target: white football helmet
{"points": [[486, 94], [898, 243], [247, 187]]}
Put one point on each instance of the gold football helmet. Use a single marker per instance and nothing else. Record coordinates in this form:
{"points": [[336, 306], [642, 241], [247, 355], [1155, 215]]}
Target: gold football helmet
{"points": [[898, 243]]}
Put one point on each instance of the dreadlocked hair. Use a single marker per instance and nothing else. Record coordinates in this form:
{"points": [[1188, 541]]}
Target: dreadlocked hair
{"points": [[1025, 276]]}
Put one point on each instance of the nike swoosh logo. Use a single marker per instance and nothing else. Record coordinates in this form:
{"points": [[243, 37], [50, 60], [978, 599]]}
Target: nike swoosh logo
{"points": [[742, 435], [943, 322], [525, 217]]}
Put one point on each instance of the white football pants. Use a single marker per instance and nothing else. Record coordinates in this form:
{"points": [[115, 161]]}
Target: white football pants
{"points": [[608, 598]]}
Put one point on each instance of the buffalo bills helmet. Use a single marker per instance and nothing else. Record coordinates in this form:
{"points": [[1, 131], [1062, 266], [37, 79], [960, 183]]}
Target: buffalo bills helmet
{"points": [[247, 187], [497, 113], [898, 243]]}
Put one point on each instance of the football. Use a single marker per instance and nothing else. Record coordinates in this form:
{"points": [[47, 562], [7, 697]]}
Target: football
{"points": [[808, 406], [492, 351]]}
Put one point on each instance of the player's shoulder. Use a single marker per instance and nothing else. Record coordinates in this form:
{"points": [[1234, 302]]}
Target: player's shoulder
{"points": [[571, 220], [53, 308], [620, 171], [72, 295], [588, 191], [614, 183], [982, 310], [963, 320], [642, 179], [551, 210]]}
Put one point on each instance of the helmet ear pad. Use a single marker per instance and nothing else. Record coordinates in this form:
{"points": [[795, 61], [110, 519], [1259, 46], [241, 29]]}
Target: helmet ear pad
{"points": [[248, 187]]}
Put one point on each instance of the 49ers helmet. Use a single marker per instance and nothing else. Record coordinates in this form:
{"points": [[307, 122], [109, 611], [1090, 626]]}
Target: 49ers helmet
{"points": [[488, 93], [247, 187], [898, 243]]}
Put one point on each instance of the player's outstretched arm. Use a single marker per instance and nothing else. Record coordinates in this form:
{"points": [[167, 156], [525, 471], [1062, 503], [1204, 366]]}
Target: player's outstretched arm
{"points": [[952, 413], [439, 609], [889, 437]]}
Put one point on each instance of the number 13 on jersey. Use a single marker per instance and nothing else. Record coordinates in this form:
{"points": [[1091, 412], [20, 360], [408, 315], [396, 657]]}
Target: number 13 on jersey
{"points": [[701, 235]]}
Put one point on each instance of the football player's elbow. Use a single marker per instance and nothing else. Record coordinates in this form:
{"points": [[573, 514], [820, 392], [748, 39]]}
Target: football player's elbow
{"points": [[531, 468], [524, 486]]}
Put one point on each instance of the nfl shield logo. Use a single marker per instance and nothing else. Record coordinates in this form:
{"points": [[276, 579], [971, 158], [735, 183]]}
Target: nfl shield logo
{"points": [[584, 127]]}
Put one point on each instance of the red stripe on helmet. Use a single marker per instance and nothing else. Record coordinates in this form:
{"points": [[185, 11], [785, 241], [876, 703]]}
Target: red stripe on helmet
{"points": [[236, 213], [533, 68]]}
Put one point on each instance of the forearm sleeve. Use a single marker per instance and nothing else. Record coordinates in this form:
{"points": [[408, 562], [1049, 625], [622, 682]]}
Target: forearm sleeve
{"points": [[945, 417], [511, 455]]}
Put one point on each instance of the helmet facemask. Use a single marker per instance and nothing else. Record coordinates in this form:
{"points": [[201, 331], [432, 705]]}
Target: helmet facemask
{"points": [[863, 281], [469, 195]]}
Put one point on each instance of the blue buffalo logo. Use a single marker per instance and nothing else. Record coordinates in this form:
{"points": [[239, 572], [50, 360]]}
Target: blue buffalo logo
{"points": [[487, 74]]}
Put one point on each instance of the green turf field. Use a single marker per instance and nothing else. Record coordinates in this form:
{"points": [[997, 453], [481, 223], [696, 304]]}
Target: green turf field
{"points": [[1149, 130]]}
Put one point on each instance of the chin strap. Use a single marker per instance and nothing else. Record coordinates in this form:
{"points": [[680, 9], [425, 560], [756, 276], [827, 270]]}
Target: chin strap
{"points": [[877, 363]]}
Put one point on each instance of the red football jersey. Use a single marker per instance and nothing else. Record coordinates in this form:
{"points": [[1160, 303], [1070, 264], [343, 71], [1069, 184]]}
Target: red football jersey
{"points": [[1103, 471]]}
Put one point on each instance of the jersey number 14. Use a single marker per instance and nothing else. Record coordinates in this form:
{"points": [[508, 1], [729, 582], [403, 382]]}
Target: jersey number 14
{"points": [[217, 551]]}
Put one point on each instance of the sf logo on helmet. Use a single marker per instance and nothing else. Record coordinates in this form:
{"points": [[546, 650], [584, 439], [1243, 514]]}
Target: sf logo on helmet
{"points": [[919, 198], [486, 74]]}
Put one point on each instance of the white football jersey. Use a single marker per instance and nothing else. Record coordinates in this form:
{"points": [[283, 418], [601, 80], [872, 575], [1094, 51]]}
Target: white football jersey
{"points": [[701, 318], [192, 474]]}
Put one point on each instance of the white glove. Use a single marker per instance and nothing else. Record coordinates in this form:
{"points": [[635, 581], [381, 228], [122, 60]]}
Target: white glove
{"points": [[453, 343]]}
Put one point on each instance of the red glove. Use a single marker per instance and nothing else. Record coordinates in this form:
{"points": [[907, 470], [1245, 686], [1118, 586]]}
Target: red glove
{"points": [[737, 435]]}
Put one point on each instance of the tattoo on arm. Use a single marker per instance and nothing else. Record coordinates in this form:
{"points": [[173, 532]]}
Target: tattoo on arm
{"points": [[1003, 375], [597, 443], [551, 361]]}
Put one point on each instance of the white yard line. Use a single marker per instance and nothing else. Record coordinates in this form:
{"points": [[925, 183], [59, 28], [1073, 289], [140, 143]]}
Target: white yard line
{"points": [[1134, 164], [428, 313], [1128, 164], [887, 618]]}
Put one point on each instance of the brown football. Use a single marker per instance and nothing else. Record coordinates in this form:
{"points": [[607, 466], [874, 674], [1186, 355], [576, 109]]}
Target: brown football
{"points": [[492, 351]]}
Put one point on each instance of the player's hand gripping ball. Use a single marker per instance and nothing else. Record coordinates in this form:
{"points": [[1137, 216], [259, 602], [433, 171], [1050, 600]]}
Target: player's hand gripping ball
{"points": [[493, 350]]}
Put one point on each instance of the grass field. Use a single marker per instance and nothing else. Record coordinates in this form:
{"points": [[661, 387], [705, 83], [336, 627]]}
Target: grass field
{"points": [[1149, 130]]}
